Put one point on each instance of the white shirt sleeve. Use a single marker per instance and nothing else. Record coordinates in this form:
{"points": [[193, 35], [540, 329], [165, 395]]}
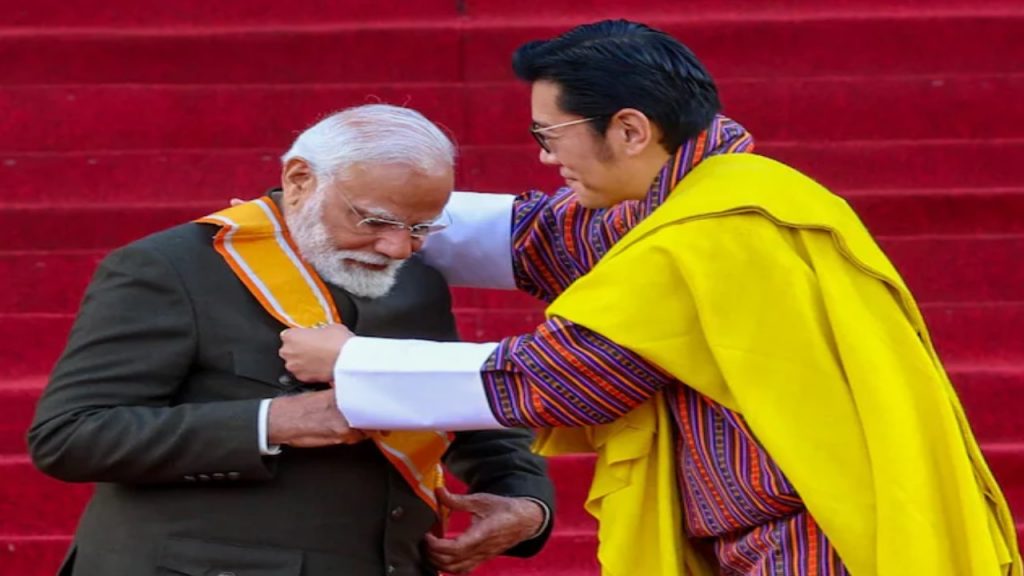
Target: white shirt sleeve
{"points": [[475, 250], [389, 384], [263, 429]]}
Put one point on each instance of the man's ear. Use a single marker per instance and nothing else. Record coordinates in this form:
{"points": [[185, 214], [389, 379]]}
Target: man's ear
{"points": [[633, 131], [297, 181]]}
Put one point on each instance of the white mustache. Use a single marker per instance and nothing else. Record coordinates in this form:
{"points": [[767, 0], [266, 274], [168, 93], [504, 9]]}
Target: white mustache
{"points": [[364, 257]]}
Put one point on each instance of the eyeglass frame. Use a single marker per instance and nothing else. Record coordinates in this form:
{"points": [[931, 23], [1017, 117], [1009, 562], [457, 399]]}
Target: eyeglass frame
{"points": [[542, 141], [393, 225]]}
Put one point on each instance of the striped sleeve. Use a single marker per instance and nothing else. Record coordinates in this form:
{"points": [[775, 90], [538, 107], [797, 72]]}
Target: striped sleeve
{"points": [[555, 240], [565, 375]]}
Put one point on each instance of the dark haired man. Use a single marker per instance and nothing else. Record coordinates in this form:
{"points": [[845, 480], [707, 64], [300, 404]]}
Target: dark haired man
{"points": [[753, 374]]}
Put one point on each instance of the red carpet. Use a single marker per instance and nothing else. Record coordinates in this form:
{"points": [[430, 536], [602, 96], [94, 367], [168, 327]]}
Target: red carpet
{"points": [[122, 118]]}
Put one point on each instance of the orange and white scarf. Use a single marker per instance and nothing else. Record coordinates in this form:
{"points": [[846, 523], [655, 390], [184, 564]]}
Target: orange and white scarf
{"points": [[254, 241]]}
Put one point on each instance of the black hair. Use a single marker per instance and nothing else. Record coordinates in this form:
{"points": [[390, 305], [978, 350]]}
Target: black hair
{"points": [[606, 66]]}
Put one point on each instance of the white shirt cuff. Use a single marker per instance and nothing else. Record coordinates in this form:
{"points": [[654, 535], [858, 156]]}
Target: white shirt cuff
{"points": [[263, 429], [388, 384], [475, 250]]}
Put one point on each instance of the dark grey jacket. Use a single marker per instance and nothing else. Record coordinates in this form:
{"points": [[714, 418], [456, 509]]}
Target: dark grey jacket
{"points": [[156, 399]]}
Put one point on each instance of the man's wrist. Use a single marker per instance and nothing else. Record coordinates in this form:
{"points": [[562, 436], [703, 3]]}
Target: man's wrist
{"points": [[263, 430], [545, 515]]}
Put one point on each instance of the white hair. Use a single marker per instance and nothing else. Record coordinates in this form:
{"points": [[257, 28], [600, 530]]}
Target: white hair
{"points": [[375, 134]]}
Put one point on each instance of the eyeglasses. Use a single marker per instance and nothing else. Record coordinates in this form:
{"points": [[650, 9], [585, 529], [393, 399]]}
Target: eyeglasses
{"points": [[539, 135], [370, 225]]}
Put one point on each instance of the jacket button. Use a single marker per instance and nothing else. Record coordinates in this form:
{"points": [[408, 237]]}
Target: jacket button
{"points": [[190, 478], [391, 569], [204, 477], [219, 476], [397, 513], [234, 475], [285, 380], [225, 574]]}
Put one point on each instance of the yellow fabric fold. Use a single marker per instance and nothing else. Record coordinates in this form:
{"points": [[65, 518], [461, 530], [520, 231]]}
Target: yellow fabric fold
{"points": [[763, 291], [255, 243]]}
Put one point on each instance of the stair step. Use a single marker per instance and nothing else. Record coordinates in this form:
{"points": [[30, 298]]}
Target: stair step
{"points": [[860, 165], [832, 43], [56, 506], [124, 14], [209, 177], [32, 503], [939, 211], [795, 10], [987, 269], [973, 333], [181, 117], [103, 226], [990, 395], [565, 555], [827, 43], [270, 14]]}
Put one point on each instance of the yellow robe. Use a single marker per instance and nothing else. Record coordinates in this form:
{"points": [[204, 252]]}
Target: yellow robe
{"points": [[763, 291]]}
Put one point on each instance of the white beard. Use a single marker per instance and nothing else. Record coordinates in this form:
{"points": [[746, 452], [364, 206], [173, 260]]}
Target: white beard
{"points": [[315, 246]]}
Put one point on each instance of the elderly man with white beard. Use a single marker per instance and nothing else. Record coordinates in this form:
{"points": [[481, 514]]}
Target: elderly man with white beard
{"points": [[209, 457]]}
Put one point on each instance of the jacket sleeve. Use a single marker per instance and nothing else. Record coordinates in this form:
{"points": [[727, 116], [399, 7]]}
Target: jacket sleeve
{"points": [[500, 462], [109, 412]]}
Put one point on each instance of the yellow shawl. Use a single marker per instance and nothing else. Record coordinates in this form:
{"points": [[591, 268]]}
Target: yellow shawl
{"points": [[763, 291]]}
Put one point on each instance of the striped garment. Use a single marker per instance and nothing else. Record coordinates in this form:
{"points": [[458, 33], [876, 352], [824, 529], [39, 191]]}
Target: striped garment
{"points": [[735, 497]]}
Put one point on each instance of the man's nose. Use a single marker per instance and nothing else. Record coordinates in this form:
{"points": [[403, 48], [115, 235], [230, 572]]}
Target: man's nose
{"points": [[397, 244], [548, 158]]}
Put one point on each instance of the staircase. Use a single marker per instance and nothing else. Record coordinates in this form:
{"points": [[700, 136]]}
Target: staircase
{"points": [[120, 118]]}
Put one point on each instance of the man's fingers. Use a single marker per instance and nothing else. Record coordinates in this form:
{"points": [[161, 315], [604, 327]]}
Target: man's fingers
{"points": [[444, 546], [463, 567], [460, 502]]}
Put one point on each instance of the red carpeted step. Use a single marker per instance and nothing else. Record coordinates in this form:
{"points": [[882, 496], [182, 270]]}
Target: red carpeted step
{"points": [[964, 333], [566, 548], [1007, 463], [79, 118], [829, 45], [32, 555], [102, 226], [740, 9], [864, 165], [827, 109], [32, 503], [565, 555], [174, 117], [45, 282], [17, 407], [265, 13], [960, 268], [211, 176], [986, 269], [96, 226], [468, 49], [936, 211], [990, 396], [352, 54], [268, 13]]}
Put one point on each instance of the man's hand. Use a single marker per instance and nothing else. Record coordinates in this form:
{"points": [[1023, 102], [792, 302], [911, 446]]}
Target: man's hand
{"points": [[309, 420], [310, 353], [499, 523]]}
